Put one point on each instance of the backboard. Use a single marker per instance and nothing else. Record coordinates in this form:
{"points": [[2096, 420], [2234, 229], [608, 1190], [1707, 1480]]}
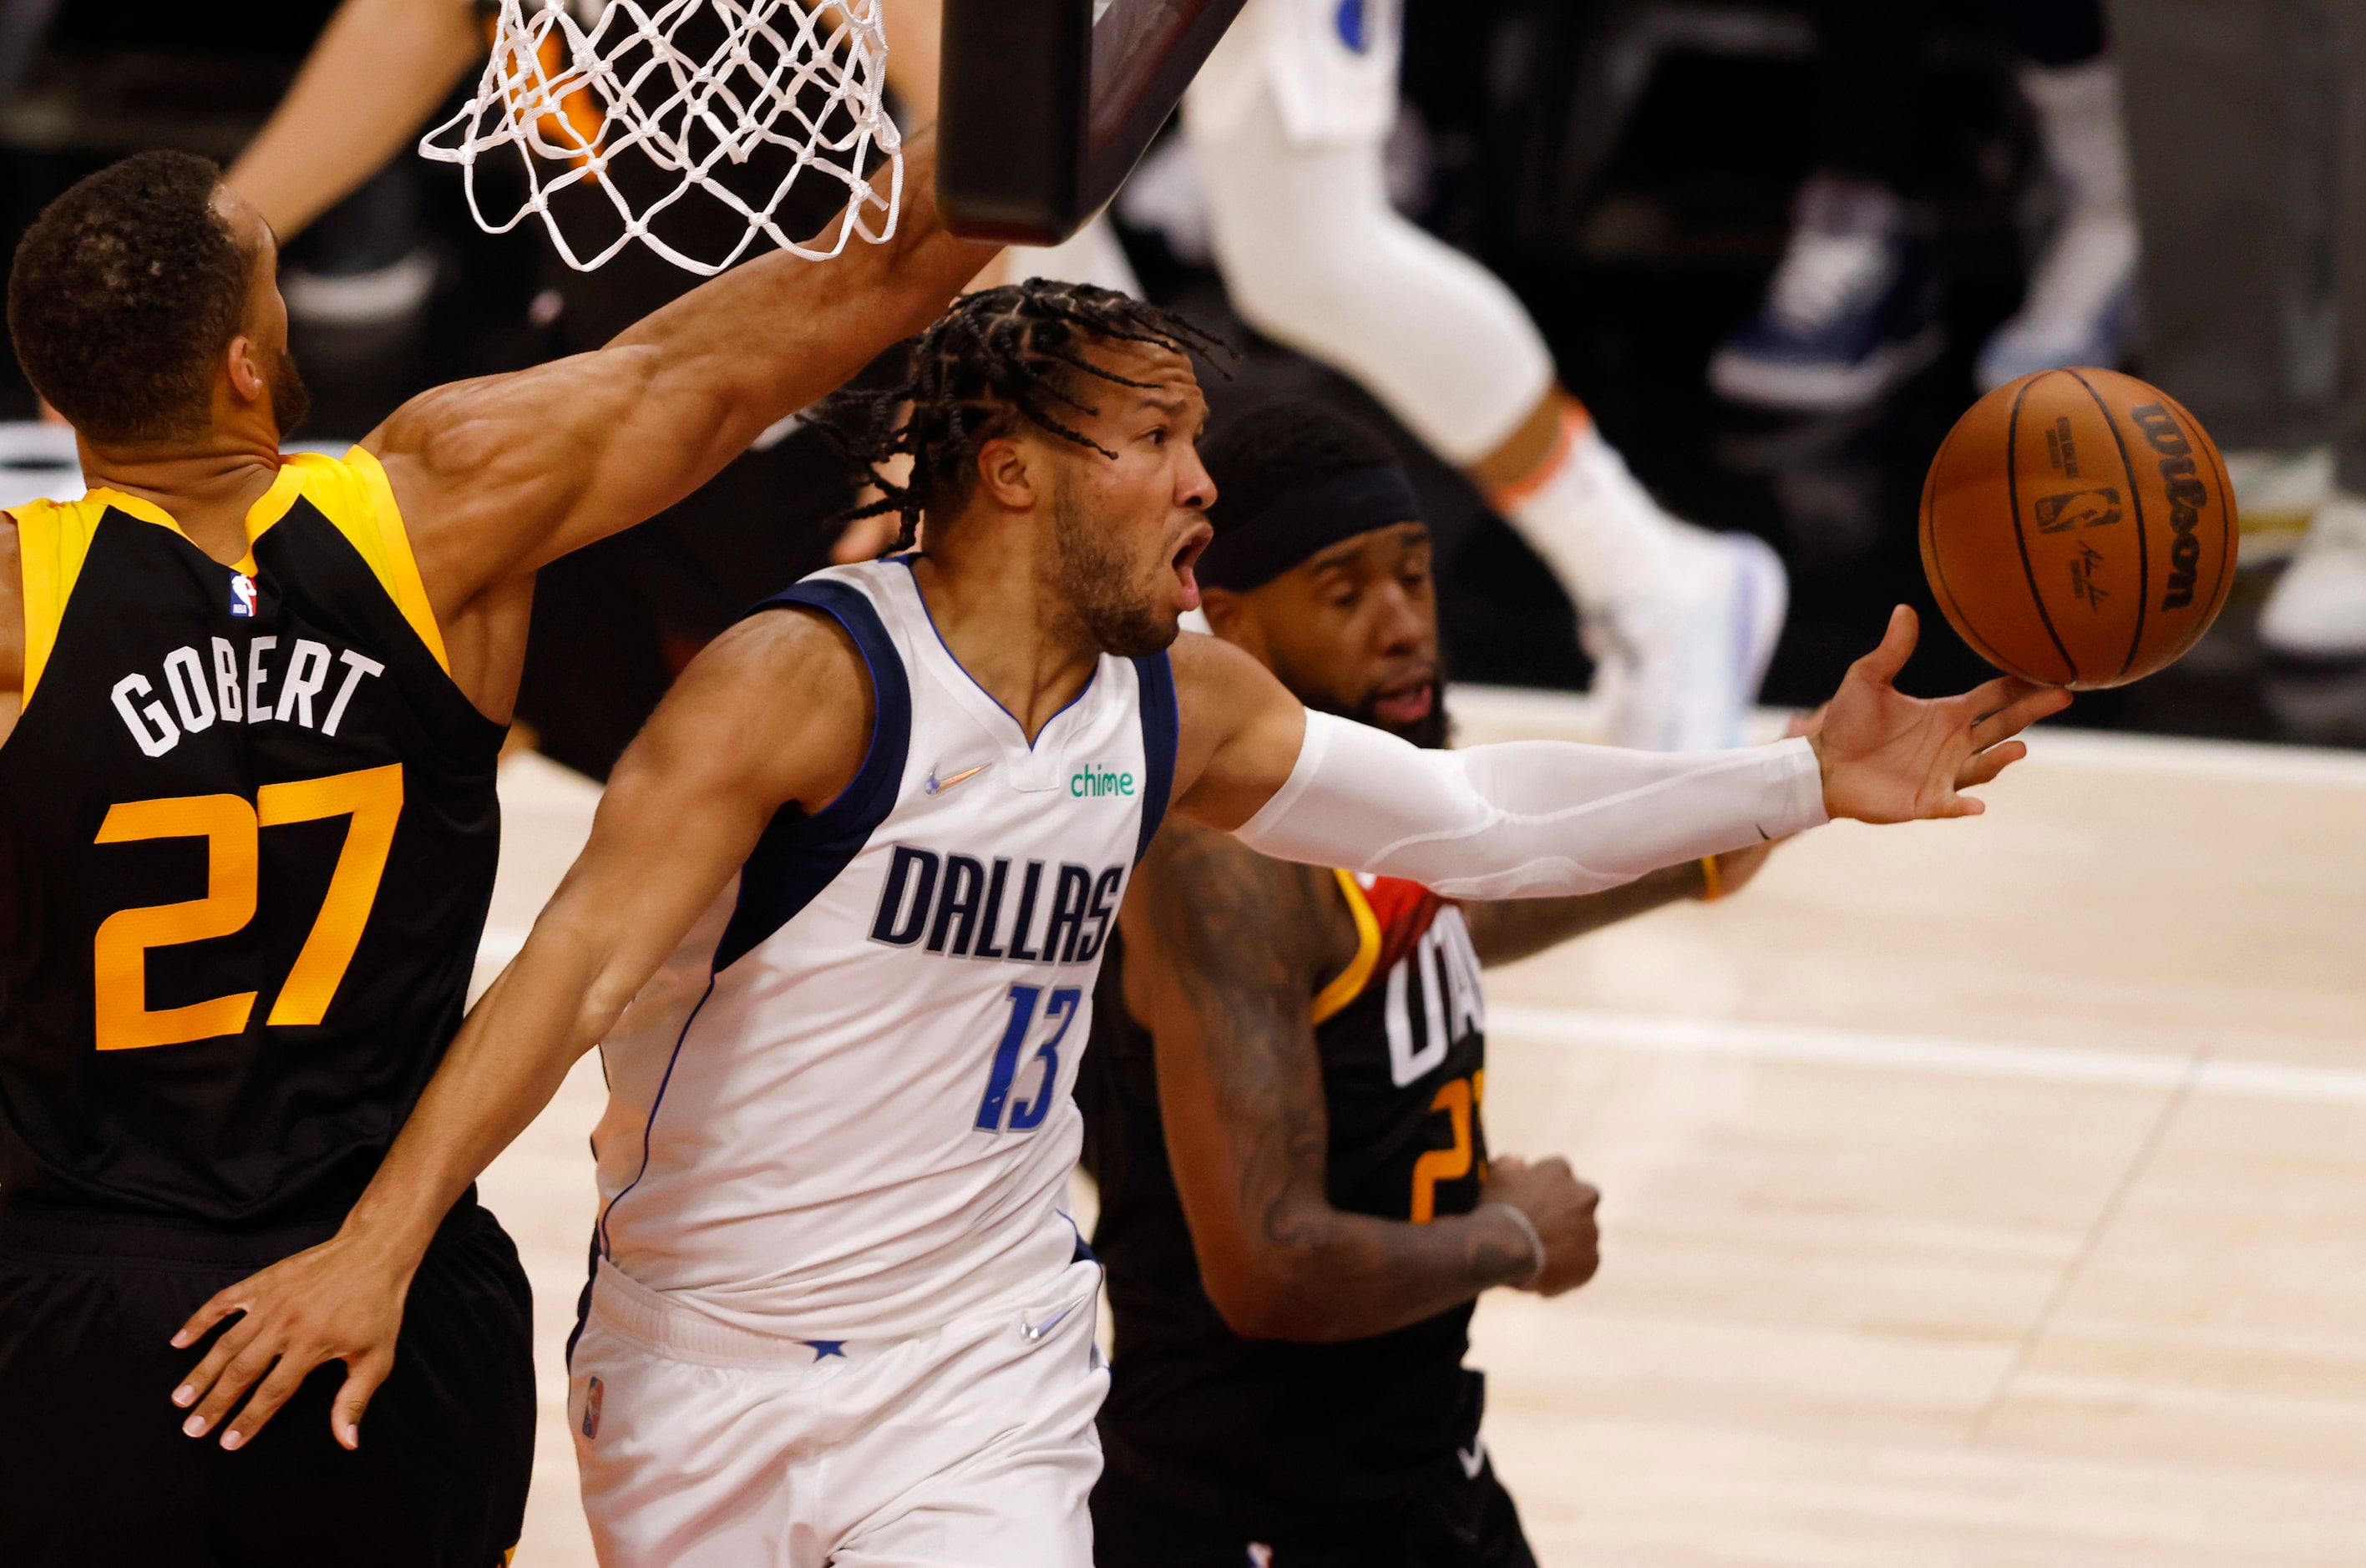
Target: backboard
{"points": [[1045, 106]]}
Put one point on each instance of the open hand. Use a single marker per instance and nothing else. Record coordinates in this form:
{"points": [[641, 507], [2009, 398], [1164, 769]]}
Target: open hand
{"points": [[339, 1300], [1889, 757]]}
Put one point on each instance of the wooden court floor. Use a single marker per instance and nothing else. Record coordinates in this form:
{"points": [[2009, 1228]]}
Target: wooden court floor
{"points": [[1989, 1193]]}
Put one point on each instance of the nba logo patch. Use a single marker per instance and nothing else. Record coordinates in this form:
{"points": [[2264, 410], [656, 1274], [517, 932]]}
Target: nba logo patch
{"points": [[242, 594], [592, 1409]]}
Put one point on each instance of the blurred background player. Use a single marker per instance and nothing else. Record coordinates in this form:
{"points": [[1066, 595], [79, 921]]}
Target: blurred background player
{"points": [[2247, 128], [1287, 123], [1854, 310], [1295, 1185]]}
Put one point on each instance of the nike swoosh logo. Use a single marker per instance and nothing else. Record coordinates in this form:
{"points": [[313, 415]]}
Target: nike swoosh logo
{"points": [[1474, 1460], [937, 786]]}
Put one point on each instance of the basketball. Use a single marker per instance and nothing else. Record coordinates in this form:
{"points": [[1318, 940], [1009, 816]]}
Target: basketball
{"points": [[2077, 529]]}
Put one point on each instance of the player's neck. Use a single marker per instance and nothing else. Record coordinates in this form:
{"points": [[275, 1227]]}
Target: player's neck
{"points": [[206, 483], [1007, 629]]}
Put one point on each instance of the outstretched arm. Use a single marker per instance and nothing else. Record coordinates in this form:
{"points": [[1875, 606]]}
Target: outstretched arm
{"points": [[1537, 819], [379, 71], [776, 710], [503, 474], [1224, 950]]}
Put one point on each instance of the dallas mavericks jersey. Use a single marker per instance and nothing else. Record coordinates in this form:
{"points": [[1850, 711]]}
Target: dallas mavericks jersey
{"points": [[247, 838], [841, 1108]]}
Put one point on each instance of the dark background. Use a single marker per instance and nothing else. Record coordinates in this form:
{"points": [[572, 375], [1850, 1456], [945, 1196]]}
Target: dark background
{"points": [[1639, 239]]}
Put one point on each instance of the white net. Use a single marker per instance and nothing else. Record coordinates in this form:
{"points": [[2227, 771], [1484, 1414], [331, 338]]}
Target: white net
{"points": [[703, 123]]}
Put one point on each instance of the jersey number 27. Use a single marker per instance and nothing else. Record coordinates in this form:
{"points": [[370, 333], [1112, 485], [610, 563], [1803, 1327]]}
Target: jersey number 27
{"points": [[230, 827]]}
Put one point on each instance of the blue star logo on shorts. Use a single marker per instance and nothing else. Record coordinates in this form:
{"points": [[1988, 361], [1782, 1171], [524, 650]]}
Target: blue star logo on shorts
{"points": [[825, 1348], [1355, 23]]}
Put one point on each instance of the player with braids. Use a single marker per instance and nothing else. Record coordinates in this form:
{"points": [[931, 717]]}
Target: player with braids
{"points": [[836, 931], [997, 352]]}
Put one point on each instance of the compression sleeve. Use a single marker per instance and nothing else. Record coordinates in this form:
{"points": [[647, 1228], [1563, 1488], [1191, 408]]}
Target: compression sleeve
{"points": [[1531, 819]]}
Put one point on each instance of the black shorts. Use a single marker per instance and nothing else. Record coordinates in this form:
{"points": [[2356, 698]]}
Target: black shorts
{"points": [[95, 1471], [1455, 1520]]}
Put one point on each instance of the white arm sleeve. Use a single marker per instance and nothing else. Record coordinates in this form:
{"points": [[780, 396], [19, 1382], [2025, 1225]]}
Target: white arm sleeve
{"points": [[1532, 819]]}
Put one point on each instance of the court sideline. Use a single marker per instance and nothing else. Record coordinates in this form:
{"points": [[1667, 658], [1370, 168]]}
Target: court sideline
{"points": [[1975, 1193]]}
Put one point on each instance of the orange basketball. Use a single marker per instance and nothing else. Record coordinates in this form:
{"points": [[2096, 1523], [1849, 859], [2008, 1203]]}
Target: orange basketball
{"points": [[2077, 529]]}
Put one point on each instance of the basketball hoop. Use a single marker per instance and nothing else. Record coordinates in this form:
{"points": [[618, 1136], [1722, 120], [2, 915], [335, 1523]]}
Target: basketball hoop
{"points": [[657, 101]]}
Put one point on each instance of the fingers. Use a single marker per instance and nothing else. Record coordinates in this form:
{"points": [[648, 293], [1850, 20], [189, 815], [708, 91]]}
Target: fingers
{"points": [[226, 1349], [245, 1357], [1882, 664], [2027, 706], [1983, 765], [201, 1322], [363, 1376], [285, 1378]]}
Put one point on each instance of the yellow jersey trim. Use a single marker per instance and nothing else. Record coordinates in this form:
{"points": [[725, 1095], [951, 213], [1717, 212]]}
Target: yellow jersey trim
{"points": [[52, 541], [53, 538], [351, 492], [401, 571], [1351, 980]]}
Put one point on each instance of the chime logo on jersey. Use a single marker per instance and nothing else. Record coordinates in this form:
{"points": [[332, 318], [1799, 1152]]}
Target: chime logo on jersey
{"points": [[955, 904], [242, 594]]}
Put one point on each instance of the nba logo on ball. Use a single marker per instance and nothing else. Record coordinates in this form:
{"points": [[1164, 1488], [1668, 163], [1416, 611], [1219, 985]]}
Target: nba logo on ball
{"points": [[242, 594]]}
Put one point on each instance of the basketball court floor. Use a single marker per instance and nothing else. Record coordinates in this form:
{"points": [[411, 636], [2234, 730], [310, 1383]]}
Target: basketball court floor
{"points": [[1986, 1192]]}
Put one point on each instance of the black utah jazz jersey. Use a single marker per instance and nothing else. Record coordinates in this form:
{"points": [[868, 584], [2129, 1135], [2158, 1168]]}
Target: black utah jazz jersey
{"points": [[1259, 1432], [247, 836]]}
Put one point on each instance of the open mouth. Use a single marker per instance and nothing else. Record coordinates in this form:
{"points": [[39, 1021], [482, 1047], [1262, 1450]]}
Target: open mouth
{"points": [[1185, 559], [1407, 701]]}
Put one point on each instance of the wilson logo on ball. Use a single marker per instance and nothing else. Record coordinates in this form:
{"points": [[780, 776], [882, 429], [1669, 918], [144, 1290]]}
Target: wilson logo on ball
{"points": [[2186, 499]]}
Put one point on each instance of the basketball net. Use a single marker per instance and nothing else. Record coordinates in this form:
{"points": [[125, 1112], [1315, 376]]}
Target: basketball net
{"points": [[574, 100]]}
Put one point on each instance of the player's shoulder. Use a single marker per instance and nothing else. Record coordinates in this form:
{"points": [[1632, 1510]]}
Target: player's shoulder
{"points": [[1210, 669], [1215, 903]]}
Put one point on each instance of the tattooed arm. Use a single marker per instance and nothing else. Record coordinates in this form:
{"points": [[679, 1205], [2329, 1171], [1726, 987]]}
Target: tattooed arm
{"points": [[1506, 929], [1225, 951]]}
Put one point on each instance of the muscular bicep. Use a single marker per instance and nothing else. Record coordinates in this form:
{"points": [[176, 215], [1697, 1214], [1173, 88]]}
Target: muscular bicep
{"points": [[1224, 952], [776, 711], [1241, 733]]}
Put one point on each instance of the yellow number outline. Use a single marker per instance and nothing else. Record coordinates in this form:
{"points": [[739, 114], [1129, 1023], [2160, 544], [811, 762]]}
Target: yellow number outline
{"points": [[372, 797], [1454, 1098]]}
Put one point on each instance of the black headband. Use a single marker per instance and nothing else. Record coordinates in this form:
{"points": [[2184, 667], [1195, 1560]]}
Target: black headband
{"points": [[1250, 552]]}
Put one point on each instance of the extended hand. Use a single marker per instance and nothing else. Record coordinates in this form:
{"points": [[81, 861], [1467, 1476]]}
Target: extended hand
{"points": [[1889, 757], [339, 1300], [1561, 1207]]}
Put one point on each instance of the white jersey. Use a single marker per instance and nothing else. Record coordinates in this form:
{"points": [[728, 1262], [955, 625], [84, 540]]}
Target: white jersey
{"points": [[842, 1109]]}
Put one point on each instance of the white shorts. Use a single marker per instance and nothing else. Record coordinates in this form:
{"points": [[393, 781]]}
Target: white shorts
{"points": [[705, 1445], [1330, 65]]}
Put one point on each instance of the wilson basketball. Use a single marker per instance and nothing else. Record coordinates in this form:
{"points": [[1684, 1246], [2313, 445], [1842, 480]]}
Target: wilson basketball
{"points": [[2077, 529]]}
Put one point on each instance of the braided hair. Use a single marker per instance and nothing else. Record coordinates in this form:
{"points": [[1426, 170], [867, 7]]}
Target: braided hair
{"points": [[995, 356]]}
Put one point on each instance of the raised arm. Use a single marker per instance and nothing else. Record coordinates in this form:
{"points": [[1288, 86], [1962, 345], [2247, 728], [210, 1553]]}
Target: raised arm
{"points": [[1537, 818], [379, 69], [776, 710], [499, 476], [1224, 950]]}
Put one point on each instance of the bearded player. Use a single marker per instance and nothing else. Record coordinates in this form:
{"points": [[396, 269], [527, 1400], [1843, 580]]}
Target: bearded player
{"points": [[1282, 1099], [835, 932], [247, 838]]}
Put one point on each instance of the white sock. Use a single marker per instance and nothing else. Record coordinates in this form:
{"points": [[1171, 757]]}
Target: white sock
{"points": [[1593, 523], [2086, 147], [2094, 248]]}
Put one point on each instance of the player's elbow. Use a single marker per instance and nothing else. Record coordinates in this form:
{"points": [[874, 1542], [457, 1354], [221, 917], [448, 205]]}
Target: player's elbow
{"points": [[1277, 1295]]}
